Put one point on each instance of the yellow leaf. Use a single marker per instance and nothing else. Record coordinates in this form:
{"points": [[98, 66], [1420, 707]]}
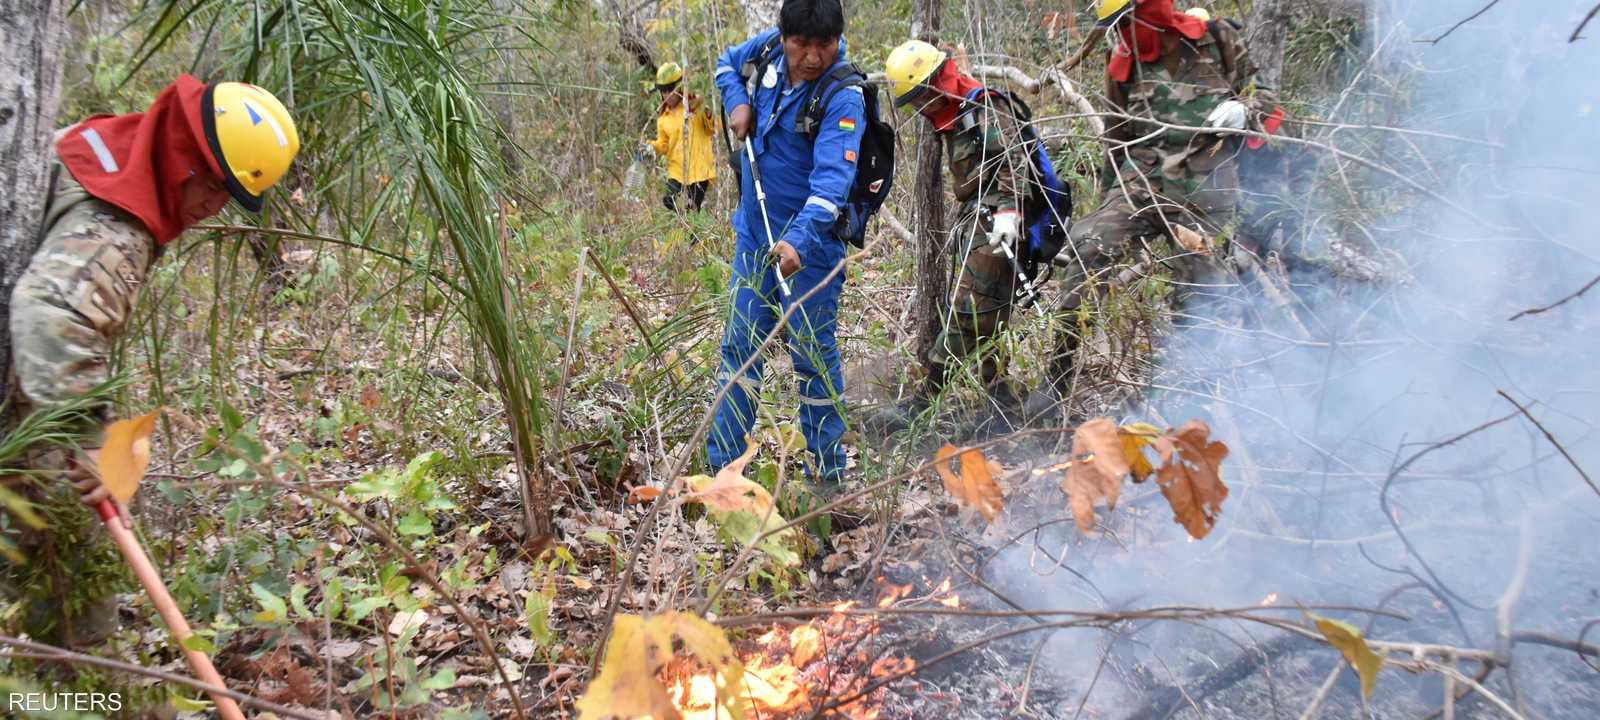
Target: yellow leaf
{"points": [[976, 487], [1345, 638], [126, 454], [627, 686], [1135, 437]]}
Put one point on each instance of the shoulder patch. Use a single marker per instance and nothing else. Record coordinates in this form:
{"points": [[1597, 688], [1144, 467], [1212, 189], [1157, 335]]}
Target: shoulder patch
{"points": [[847, 124]]}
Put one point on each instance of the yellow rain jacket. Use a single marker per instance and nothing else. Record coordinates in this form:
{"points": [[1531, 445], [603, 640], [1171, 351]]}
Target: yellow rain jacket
{"points": [[687, 162]]}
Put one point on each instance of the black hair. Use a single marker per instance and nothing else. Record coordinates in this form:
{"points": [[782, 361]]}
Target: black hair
{"points": [[819, 19]]}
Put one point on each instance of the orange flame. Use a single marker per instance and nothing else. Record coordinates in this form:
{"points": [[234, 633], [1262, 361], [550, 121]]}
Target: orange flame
{"points": [[785, 665]]}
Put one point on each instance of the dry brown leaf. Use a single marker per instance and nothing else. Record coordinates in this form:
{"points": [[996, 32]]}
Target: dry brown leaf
{"points": [[370, 398], [125, 454], [1098, 464], [1191, 476], [975, 488], [1190, 240], [729, 491]]}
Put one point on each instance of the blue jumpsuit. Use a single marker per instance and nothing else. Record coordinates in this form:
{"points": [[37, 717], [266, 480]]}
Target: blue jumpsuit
{"points": [[806, 182]]}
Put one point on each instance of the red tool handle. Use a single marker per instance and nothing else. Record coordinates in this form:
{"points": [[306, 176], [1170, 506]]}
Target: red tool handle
{"points": [[165, 605]]}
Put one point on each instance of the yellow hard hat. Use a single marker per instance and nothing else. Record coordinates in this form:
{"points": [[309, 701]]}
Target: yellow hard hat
{"points": [[668, 75], [1199, 12], [1108, 12], [909, 67], [252, 137]]}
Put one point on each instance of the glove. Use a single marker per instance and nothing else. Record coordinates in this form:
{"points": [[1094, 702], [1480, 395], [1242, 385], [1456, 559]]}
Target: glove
{"points": [[647, 150], [1004, 231], [1230, 115]]}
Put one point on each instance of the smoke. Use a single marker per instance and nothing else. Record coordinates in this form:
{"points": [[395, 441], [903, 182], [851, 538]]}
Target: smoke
{"points": [[1499, 121]]}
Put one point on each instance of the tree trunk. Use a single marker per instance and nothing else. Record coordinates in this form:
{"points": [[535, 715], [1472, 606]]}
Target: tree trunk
{"points": [[32, 40], [760, 15], [1269, 28], [929, 224]]}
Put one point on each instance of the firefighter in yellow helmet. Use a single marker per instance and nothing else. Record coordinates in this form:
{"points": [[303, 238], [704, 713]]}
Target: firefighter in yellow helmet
{"points": [[684, 132], [121, 188]]}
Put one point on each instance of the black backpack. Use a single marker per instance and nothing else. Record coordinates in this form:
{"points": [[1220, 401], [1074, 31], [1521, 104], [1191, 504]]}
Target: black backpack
{"points": [[875, 161]]}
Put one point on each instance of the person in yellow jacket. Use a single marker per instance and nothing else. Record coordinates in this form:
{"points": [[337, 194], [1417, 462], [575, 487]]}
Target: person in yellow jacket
{"points": [[684, 131]]}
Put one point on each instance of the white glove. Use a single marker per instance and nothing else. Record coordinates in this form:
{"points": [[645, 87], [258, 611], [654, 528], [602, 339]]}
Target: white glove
{"points": [[647, 150], [1005, 230], [1230, 115]]}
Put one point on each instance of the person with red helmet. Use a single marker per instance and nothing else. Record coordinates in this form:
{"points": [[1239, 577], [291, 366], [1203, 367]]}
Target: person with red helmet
{"points": [[1178, 84]]}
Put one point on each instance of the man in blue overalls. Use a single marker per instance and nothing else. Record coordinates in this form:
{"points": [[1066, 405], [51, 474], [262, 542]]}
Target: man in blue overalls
{"points": [[806, 182]]}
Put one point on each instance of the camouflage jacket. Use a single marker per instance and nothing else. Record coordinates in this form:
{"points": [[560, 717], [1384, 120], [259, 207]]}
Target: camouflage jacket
{"points": [[1182, 87], [74, 300], [989, 159]]}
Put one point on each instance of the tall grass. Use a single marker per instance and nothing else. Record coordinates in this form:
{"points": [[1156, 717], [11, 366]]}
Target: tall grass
{"points": [[399, 147]]}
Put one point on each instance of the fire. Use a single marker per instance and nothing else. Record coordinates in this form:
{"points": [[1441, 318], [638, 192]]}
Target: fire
{"points": [[1271, 598], [787, 664]]}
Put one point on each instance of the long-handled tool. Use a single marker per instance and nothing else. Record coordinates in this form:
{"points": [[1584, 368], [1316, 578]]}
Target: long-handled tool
{"points": [[1029, 292], [766, 223], [165, 605]]}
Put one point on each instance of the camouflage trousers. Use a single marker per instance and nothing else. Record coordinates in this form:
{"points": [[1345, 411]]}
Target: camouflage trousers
{"points": [[986, 289], [69, 307], [1136, 214]]}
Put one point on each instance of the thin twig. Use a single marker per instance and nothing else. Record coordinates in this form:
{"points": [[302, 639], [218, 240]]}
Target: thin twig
{"points": [[1562, 301], [1553, 441], [1586, 18], [1466, 20], [1322, 692]]}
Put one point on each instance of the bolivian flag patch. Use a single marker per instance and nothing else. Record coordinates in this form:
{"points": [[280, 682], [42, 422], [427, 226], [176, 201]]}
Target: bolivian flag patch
{"points": [[847, 125]]}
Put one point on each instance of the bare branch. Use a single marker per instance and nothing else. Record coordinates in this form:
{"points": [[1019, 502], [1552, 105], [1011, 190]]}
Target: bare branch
{"points": [[1565, 300], [1577, 30], [1552, 439], [1470, 18]]}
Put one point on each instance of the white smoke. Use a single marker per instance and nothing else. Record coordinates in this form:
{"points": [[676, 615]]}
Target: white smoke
{"points": [[1504, 130]]}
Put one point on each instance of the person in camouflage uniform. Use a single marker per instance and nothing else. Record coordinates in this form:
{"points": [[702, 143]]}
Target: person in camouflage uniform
{"points": [[1007, 222], [1166, 69], [121, 188]]}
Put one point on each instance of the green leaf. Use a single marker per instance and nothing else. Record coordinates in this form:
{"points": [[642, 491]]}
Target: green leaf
{"points": [[273, 609], [442, 680], [364, 607], [537, 610], [297, 599], [415, 523], [198, 643], [1353, 646], [185, 704]]}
